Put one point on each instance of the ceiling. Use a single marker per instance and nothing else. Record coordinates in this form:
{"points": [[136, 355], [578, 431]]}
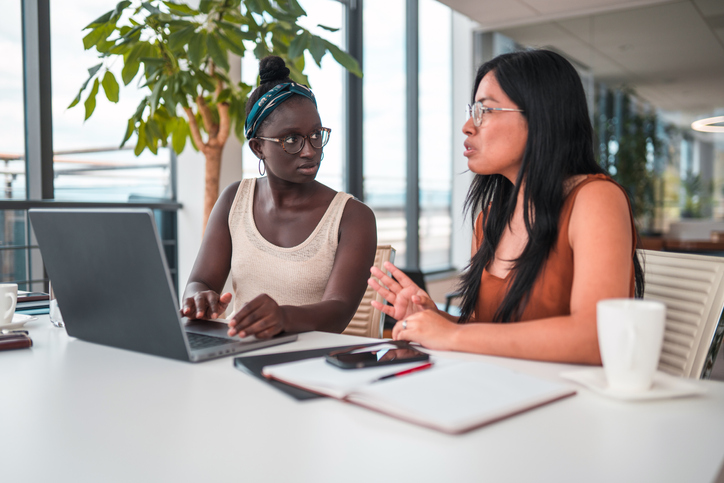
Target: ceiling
{"points": [[670, 52]]}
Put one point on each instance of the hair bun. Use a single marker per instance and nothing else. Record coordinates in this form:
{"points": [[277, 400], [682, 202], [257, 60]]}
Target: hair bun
{"points": [[272, 68]]}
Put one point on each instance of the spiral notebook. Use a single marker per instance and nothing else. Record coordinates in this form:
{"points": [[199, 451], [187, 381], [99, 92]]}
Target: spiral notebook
{"points": [[453, 396]]}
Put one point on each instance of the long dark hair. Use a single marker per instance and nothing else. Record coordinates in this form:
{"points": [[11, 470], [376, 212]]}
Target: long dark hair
{"points": [[560, 145]]}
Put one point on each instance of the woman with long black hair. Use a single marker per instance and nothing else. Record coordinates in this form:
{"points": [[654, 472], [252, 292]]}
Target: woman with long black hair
{"points": [[554, 234]]}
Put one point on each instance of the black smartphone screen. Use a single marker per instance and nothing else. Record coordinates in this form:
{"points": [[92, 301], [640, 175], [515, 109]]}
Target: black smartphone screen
{"points": [[357, 358]]}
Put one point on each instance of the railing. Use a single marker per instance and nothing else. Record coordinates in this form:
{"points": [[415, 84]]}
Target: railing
{"points": [[20, 257], [102, 176]]}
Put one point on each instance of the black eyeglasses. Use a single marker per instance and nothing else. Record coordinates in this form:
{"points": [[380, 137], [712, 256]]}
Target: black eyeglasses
{"points": [[477, 110], [294, 143]]}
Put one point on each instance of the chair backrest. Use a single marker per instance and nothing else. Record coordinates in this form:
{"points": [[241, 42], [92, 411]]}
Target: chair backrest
{"points": [[692, 289], [368, 321]]}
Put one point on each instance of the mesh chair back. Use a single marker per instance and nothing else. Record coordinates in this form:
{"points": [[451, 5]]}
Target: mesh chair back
{"points": [[367, 321], [691, 287]]}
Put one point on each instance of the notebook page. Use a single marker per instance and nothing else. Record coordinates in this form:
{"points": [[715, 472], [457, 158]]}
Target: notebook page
{"points": [[457, 397]]}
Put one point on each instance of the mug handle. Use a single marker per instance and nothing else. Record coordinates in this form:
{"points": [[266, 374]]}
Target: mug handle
{"points": [[11, 308]]}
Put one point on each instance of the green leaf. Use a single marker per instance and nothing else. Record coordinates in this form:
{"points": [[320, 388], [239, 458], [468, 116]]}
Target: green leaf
{"points": [[97, 34], [141, 141], [151, 139], [92, 71], [295, 9], [110, 86], [205, 6], [331, 29], [180, 38], [317, 49], [179, 135], [139, 110], [261, 50], [169, 100], [197, 49], [181, 9], [151, 9], [100, 20], [152, 66], [224, 95], [229, 44], [297, 46], [129, 132], [129, 71], [156, 93], [236, 35], [206, 81], [344, 59], [135, 31], [216, 52], [120, 6], [90, 102], [105, 45]]}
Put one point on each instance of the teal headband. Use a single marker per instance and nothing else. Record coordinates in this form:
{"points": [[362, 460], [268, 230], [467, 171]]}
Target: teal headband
{"points": [[270, 101]]}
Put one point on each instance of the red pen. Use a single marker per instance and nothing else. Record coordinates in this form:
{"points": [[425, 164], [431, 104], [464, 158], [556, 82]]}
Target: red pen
{"points": [[406, 371]]}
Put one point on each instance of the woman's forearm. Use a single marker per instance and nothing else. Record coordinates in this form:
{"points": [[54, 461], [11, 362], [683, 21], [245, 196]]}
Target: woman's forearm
{"points": [[568, 339], [327, 316]]}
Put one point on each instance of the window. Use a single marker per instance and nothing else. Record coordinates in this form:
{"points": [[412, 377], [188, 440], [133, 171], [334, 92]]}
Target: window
{"points": [[435, 136], [384, 120], [88, 165], [12, 121]]}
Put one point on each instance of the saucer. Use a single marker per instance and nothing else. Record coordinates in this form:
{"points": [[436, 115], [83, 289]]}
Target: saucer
{"points": [[664, 386], [19, 320]]}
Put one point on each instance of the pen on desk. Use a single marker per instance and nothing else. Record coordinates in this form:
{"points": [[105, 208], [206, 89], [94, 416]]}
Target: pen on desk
{"points": [[405, 372]]}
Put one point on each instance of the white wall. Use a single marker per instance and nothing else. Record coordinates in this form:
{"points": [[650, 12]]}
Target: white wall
{"points": [[463, 77], [190, 189]]}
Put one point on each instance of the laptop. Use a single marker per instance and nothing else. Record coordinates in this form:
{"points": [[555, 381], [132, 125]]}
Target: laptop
{"points": [[114, 288]]}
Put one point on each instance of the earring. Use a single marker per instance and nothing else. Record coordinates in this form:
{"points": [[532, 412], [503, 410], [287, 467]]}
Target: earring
{"points": [[261, 163], [322, 158]]}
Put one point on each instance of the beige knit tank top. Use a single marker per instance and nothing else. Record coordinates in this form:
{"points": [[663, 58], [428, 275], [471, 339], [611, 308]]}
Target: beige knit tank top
{"points": [[291, 276]]}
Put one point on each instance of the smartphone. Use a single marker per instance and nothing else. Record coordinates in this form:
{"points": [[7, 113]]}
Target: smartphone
{"points": [[380, 355]]}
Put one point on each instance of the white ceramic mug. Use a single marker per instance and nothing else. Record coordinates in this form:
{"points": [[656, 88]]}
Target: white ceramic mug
{"points": [[8, 297], [630, 334]]}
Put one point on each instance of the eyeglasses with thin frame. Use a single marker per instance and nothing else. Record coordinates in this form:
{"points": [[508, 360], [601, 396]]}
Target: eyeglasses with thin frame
{"points": [[294, 143], [477, 110]]}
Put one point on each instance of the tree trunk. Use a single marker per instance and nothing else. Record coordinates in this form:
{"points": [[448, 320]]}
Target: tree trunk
{"points": [[213, 173]]}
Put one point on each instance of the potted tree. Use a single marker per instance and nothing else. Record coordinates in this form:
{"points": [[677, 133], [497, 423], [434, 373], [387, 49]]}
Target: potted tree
{"points": [[180, 55]]}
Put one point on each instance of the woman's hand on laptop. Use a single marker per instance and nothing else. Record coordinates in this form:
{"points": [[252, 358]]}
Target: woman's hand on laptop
{"points": [[206, 304], [261, 316]]}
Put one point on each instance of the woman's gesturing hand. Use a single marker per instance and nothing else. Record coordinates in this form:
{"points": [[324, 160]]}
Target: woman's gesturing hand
{"points": [[428, 328], [206, 304], [261, 316], [403, 295]]}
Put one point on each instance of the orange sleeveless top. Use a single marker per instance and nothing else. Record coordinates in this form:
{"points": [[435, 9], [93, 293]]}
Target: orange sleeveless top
{"points": [[551, 292]]}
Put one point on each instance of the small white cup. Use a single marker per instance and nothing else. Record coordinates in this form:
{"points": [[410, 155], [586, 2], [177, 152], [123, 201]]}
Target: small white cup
{"points": [[8, 299], [630, 334]]}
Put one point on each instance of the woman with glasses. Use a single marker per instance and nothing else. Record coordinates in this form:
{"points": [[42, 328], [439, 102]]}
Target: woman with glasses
{"points": [[553, 233], [298, 251]]}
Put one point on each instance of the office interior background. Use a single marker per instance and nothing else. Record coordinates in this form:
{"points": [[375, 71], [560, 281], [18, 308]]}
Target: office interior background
{"points": [[650, 68]]}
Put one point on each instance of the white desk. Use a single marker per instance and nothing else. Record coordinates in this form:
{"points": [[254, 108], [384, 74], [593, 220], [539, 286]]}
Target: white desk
{"points": [[75, 411]]}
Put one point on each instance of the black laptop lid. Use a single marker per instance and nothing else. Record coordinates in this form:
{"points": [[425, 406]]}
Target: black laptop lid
{"points": [[110, 277]]}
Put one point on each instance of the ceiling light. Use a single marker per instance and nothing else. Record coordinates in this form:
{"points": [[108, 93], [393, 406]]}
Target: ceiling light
{"points": [[707, 125]]}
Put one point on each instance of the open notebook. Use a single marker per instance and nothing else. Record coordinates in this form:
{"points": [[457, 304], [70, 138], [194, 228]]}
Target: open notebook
{"points": [[453, 396]]}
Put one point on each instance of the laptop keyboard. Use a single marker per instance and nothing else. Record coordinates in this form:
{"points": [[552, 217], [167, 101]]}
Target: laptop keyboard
{"points": [[198, 341]]}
